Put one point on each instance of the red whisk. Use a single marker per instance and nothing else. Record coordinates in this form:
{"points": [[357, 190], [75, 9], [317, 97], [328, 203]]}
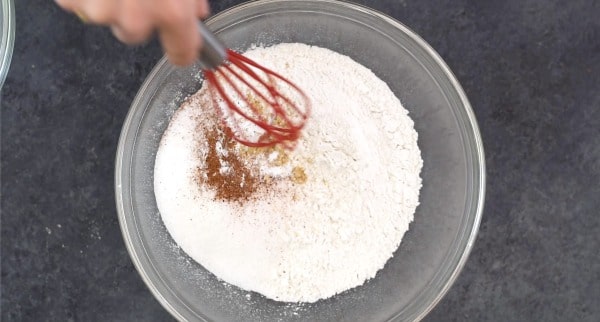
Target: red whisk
{"points": [[275, 110]]}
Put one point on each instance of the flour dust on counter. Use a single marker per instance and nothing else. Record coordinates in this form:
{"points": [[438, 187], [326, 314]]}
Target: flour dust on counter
{"points": [[301, 225]]}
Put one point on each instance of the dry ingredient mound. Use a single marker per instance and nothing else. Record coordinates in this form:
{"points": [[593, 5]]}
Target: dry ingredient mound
{"points": [[295, 226]]}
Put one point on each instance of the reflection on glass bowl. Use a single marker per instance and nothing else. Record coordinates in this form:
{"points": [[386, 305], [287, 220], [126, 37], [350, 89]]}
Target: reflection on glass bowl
{"points": [[7, 24]]}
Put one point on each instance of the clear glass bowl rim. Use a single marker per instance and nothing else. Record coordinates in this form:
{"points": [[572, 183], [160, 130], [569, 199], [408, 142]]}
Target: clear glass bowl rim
{"points": [[478, 150], [8, 38]]}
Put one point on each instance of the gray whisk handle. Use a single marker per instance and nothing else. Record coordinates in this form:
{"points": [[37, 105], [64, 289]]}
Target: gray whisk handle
{"points": [[213, 52]]}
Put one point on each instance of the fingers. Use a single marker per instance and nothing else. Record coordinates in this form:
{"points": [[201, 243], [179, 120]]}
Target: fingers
{"points": [[67, 5], [92, 11], [99, 11], [178, 31], [133, 25], [202, 9], [133, 21]]}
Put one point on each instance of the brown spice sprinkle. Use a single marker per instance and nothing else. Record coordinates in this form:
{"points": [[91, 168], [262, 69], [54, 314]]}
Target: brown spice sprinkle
{"points": [[298, 175], [236, 184], [282, 158], [256, 104], [259, 107], [240, 182]]}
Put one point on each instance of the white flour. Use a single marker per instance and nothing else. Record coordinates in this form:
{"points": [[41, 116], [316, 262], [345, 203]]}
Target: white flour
{"points": [[300, 241]]}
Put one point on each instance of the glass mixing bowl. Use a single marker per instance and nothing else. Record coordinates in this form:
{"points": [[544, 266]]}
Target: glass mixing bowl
{"points": [[433, 250], [7, 23]]}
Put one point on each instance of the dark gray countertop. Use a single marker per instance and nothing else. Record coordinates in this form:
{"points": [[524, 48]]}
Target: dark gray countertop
{"points": [[530, 69]]}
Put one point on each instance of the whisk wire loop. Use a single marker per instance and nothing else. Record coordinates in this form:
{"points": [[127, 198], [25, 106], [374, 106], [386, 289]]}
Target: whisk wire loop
{"points": [[242, 85]]}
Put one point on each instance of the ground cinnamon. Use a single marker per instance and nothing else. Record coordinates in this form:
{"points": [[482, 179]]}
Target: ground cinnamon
{"points": [[231, 179]]}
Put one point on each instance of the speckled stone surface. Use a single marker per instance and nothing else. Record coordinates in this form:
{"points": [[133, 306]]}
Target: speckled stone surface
{"points": [[530, 68]]}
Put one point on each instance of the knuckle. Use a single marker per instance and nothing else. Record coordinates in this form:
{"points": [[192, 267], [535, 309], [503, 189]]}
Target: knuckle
{"points": [[172, 13], [65, 4], [137, 29], [203, 9], [99, 13]]}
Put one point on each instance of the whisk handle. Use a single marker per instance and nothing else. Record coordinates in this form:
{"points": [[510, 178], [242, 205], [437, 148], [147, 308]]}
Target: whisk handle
{"points": [[213, 52]]}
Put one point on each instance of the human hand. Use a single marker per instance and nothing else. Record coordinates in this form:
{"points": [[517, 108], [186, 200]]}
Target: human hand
{"points": [[133, 21]]}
